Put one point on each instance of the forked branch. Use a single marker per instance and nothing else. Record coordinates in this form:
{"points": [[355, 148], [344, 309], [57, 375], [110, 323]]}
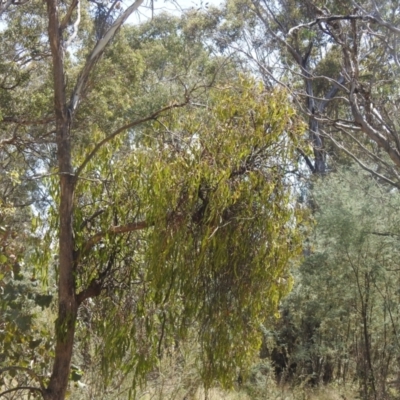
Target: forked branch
{"points": [[96, 53]]}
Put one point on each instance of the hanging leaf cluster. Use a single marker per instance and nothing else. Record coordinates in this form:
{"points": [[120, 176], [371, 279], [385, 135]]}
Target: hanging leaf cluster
{"points": [[211, 227]]}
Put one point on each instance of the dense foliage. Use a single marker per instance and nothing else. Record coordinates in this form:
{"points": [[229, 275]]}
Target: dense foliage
{"points": [[342, 318], [161, 202], [158, 183]]}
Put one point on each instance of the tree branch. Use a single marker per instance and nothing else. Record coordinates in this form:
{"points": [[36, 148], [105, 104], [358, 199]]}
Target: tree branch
{"points": [[114, 230], [76, 24], [351, 17], [68, 15], [291, 50], [24, 121], [124, 128], [373, 134], [363, 166], [364, 149], [21, 388], [31, 373], [96, 53]]}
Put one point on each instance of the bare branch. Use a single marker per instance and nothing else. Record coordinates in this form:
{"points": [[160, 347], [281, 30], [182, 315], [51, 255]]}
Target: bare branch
{"points": [[22, 388], [67, 17], [373, 134], [364, 149], [363, 166], [330, 18], [291, 50], [76, 24], [96, 53]]}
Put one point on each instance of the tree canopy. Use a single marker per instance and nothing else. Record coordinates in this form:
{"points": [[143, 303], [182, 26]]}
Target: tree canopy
{"points": [[157, 187], [160, 191]]}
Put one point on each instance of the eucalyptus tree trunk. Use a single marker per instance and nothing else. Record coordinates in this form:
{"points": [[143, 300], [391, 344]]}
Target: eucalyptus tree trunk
{"points": [[67, 304], [65, 107]]}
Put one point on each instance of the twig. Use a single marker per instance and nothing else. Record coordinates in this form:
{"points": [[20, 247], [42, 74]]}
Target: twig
{"points": [[21, 388]]}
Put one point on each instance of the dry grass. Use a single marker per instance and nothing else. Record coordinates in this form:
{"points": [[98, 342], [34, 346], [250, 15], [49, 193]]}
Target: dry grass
{"points": [[177, 378], [273, 393]]}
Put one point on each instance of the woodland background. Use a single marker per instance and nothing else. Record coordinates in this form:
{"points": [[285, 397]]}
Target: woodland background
{"points": [[203, 204]]}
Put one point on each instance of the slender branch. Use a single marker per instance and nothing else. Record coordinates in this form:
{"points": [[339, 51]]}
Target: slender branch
{"points": [[384, 234], [339, 83], [380, 21], [368, 152], [124, 128], [68, 15], [22, 388], [307, 160], [31, 373], [96, 53], [114, 230], [291, 50], [76, 24], [352, 17], [24, 121], [363, 166], [376, 136], [120, 229]]}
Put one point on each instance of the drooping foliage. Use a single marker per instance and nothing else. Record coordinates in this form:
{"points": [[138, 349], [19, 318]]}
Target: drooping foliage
{"points": [[213, 230]]}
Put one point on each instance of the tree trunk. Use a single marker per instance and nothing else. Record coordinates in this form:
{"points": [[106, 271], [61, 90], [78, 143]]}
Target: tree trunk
{"points": [[319, 154], [67, 304]]}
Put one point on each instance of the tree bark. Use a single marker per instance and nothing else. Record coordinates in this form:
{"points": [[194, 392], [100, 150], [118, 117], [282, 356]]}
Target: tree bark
{"points": [[67, 305]]}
